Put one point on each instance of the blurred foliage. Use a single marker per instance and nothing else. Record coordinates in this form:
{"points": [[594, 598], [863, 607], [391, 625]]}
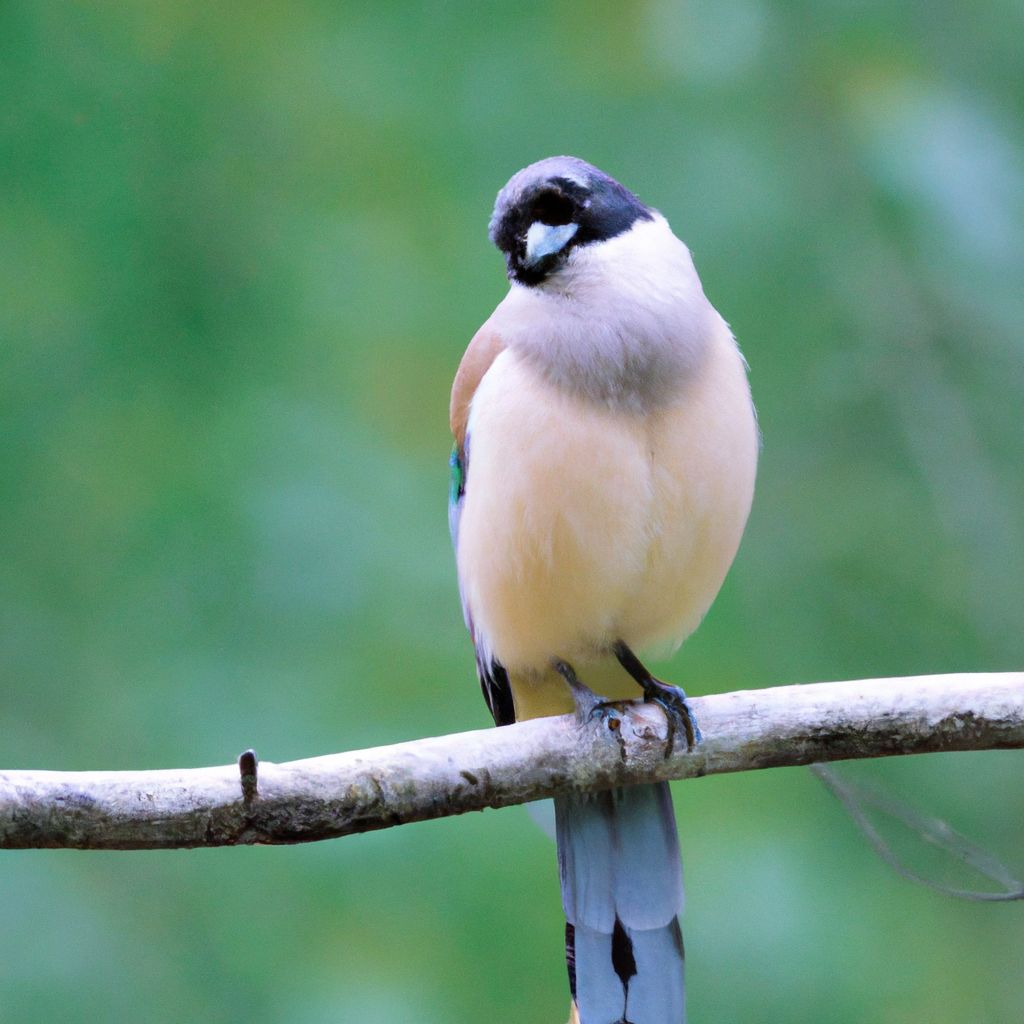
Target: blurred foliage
{"points": [[241, 250]]}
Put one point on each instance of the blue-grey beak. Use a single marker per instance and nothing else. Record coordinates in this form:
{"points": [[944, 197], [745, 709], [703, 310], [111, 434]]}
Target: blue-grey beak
{"points": [[546, 239]]}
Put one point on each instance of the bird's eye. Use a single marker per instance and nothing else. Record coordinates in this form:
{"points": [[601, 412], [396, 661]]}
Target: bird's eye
{"points": [[553, 208]]}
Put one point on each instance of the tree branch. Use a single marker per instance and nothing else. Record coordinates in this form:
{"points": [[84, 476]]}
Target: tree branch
{"points": [[325, 797]]}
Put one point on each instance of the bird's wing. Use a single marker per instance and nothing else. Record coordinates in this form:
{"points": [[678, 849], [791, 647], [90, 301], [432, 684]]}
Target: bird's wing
{"points": [[481, 353]]}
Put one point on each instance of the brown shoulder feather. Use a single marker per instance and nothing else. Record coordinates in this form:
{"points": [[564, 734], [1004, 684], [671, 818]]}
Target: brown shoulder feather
{"points": [[482, 351]]}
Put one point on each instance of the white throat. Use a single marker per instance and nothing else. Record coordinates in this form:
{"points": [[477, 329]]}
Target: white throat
{"points": [[623, 322]]}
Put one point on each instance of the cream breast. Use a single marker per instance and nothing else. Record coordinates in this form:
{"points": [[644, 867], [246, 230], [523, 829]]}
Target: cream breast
{"points": [[585, 523]]}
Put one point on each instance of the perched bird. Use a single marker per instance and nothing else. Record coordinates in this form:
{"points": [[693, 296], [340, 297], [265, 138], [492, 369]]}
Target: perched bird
{"points": [[602, 474]]}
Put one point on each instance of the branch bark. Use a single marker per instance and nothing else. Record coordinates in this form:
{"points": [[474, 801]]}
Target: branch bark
{"points": [[336, 795]]}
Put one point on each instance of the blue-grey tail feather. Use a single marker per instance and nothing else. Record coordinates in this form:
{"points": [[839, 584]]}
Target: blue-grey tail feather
{"points": [[622, 890]]}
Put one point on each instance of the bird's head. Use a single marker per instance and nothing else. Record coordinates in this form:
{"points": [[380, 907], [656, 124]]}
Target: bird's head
{"points": [[554, 207]]}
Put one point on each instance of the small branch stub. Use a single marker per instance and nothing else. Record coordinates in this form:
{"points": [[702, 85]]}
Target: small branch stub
{"points": [[248, 765]]}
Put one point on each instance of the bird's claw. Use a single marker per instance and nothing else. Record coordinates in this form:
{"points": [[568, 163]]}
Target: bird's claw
{"points": [[672, 700], [607, 711], [590, 706]]}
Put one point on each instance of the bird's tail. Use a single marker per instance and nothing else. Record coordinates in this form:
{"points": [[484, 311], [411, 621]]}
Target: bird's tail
{"points": [[622, 889]]}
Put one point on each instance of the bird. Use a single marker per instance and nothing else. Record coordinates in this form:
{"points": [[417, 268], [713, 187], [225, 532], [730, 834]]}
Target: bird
{"points": [[602, 473]]}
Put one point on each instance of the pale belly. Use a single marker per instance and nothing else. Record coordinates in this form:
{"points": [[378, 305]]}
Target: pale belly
{"points": [[583, 525]]}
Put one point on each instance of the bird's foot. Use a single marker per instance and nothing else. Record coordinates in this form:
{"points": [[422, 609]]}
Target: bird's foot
{"points": [[590, 706], [672, 700]]}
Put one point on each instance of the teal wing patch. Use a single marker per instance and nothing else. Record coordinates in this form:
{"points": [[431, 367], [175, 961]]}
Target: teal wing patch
{"points": [[456, 491]]}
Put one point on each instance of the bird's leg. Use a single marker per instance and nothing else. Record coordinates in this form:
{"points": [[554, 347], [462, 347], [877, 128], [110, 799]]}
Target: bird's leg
{"points": [[671, 699], [588, 704]]}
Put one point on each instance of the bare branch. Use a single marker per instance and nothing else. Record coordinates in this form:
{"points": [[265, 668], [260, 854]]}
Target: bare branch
{"points": [[324, 797]]}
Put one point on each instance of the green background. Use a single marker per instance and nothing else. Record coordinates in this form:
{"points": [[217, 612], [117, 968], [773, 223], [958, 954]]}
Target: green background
{"points": [[241, 250]]}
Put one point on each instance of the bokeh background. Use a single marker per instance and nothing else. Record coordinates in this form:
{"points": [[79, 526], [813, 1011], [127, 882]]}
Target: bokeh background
{"points": [[241, 250]]}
